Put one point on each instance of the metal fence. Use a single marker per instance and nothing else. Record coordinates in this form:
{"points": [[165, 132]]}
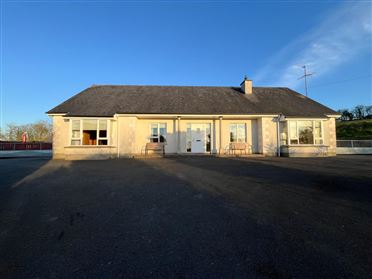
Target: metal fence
{"points": [[354, 143], [6, 146]]}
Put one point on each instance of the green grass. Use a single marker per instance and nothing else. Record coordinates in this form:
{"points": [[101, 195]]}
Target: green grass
{"points": [[356, 129]]}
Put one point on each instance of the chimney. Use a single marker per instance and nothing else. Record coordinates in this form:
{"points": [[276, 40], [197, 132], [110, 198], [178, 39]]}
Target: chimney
{"points": [[246, 85]]}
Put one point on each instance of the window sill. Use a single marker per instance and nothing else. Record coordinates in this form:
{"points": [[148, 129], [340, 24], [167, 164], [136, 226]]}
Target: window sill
{"points": [[304, 145]]}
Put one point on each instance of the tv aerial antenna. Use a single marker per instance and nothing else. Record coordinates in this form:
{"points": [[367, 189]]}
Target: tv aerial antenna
{"points": [[306, 74]]}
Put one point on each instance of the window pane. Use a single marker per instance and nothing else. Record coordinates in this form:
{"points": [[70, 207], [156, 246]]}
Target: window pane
{"points": [[208, 137], [188, 138], [233, 133], [318, 129], [89, 125], [75, 124], [241, 133], [294, 141], [154, 130], [102, 134], [103, 124], [89, 132], [75, 134], [75, 142], [102, 142], [305, 132], [89, 137], [283, 133], [292, 130], [75, 129], [163, 132]]}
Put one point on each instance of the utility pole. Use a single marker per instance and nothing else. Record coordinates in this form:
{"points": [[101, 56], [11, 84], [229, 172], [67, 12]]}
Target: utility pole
{"points": [[305, 77]]}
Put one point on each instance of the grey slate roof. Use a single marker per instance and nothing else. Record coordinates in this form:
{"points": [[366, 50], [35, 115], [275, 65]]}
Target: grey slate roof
{"points": [[106, 100]]}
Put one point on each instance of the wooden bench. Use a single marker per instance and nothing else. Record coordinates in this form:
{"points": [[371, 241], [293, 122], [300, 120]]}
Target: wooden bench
{"points": [[155, 146], [241, 146]]}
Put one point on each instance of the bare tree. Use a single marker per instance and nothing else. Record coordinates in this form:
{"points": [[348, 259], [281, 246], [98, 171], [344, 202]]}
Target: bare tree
{"points": [[39, 131], [2, 136], [368, 111], [359, 112], [346, 115]]}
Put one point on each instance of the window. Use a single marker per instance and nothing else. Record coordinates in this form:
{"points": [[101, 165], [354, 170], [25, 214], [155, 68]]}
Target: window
{"points": [[283, 132], [318, 135], [237, 133], [102, 132], [89, 132], [305, 132], [75, 133], [208, 137], [188, 138], [158, 132], [293, 132]]}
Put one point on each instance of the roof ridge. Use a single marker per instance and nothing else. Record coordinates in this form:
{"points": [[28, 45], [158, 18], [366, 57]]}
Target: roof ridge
{"points": [[194, 86]]}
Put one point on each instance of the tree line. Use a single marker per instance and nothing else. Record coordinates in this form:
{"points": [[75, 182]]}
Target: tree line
{"points": [[357, 113], [38, 131]]}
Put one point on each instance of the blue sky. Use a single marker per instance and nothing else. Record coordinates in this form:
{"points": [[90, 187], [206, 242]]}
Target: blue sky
{"points": [[51, 50]]}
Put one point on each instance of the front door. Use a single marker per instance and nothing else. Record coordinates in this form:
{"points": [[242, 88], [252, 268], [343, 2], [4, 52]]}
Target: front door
{"points": [[198, 138]]}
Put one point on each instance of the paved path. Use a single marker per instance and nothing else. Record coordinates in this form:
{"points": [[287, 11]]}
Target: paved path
{"points": [[25, 153]]}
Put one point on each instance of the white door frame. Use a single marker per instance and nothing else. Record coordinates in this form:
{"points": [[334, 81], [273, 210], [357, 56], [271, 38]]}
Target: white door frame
{"points": [[203, 128]]}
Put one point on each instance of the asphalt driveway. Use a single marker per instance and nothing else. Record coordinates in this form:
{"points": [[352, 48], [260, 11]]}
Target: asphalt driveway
{"points": [[192, 217]]}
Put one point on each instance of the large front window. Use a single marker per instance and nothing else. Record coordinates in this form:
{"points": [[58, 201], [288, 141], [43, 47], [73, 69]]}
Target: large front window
{"points": [[89, 132], [305, 132], [158, 132], [237, 133]]}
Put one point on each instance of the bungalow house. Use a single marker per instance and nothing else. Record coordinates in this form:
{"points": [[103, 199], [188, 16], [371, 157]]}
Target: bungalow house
{"points": [[123, 121]]}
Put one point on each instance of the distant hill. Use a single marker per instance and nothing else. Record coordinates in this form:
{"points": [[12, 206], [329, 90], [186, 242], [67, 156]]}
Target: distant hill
{"points": [[356, 129]]}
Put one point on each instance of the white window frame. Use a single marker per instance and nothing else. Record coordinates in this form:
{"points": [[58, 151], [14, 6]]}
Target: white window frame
{"points": [[321, 131], [289, 138], [81, 132], [158, 129], [80, 138], [289, 133], [237, 134], [107, 132]]}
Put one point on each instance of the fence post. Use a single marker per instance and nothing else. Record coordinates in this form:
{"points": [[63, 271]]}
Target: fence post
{"points": [[13, 146], [352, 144]]}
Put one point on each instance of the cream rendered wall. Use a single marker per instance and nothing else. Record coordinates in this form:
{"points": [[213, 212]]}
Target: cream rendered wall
{"points": [[63, 150], [143, 134], [251, 133], [329, 129], [268, 136], [126, 132], [60, 136], [134, 134]]}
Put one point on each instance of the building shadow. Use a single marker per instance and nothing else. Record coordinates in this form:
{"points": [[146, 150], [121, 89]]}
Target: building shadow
{"points": [[284, 174]]}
